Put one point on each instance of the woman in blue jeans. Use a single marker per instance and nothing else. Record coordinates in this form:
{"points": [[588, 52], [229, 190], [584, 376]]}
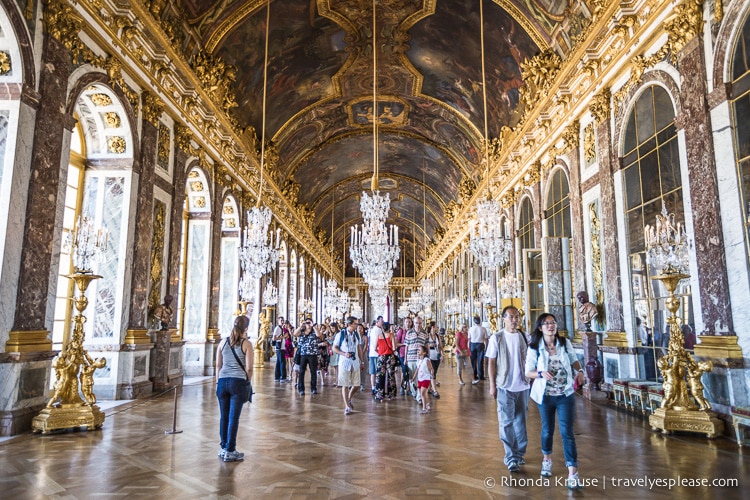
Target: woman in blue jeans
{"points": [[231, 385], [553, 365]]}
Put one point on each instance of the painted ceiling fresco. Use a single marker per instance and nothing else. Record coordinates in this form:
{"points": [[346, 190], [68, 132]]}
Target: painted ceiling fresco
{"points": [[430, 110]]}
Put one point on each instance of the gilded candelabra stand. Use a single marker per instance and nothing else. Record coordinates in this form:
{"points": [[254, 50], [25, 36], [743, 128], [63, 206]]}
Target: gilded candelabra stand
{"points": [[74, 375], [667, 251], [492, 315], [263, 331]]}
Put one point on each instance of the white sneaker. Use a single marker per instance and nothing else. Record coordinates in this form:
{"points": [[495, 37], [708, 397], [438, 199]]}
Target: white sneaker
{"points": [[546, 468], [222, 452], [573, 483], [233, 456]]}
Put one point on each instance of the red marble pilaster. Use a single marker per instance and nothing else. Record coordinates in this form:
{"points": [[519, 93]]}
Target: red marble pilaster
{"points": [[215, 271], [141, 270], [576, 215], [44, 188], [695, 119], [607, 167], [175, 227]]}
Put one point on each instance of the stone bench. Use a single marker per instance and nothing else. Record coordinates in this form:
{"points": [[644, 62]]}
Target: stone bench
{"points": [[639, 395], [741, 423], [655, 396], [620, 389]]}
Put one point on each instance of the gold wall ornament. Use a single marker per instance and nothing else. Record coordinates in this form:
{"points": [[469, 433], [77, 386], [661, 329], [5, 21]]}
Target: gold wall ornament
{"points": [[466, 189], [196, 186], [600, 106], [5, 65], [101, 100], [163, 147], [624, 26], [74, 375], [152, 108], [589, 143], [63, 23], [112, 119], [116, 144], [184, 138], [217, 78], [718, 10], [538, 74], [533, 174], [157, 255], [684, 25], [597, 273], [451, 211], [508, 199], [571, 135], [200, 202]]}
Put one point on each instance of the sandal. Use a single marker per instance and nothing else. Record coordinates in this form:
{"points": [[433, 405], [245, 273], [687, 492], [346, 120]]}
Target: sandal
{"points": [[424, 411]]}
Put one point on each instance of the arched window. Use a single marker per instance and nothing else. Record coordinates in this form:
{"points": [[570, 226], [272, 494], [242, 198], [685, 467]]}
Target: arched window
{"points": [[526, 231], [557, 212], [283, 282], [651, 173], [230, 272], [740, 100]]}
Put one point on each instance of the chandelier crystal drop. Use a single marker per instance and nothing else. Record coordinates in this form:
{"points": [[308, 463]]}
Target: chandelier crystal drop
{"points": [[270, 294], [667, 244], [509, 287], [86, 244], [487, 236], [373, 248], [486, 293]]}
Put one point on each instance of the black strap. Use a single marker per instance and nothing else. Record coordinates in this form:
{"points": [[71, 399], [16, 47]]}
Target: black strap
{"points": [[238, 358]]}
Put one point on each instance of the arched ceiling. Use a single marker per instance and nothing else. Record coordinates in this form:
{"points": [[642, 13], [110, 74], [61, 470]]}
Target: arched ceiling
{"points": [[430, 99]]}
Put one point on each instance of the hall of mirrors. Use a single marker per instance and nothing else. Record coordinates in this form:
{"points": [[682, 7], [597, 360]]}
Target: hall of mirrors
{"points": [[610, 112]]}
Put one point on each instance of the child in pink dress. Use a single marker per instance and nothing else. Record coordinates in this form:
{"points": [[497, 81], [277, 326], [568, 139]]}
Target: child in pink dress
{"points": [[423, 376]]}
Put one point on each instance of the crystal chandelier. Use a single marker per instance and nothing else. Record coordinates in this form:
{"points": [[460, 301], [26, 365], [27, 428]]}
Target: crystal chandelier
{"points": [[667, 244], [86, 244], [404, 309], [451, 306], [270, 294], [509, 286], [305, 305], [487, 237], [373, 247], [258, 255], [486, 293], [356, 310]]}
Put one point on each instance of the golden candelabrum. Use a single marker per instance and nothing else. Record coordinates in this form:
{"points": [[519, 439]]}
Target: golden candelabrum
{"points": [[74, 375], [682, 378], [242, 308], [492, 315], [263, 331]]}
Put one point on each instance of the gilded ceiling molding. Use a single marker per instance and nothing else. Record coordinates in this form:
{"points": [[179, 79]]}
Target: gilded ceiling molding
{"points": [[153, 51], [184, 138], [510, 7]]}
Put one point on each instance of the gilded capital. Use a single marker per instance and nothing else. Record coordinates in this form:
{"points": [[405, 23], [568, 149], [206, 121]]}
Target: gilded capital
{"points": [[571, 135], [685, 24], [152, 108], [600, 105], [183, 137]]}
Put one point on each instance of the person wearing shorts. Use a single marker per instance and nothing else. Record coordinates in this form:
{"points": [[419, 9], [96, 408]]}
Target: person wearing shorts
{"points": [[347, 345]]}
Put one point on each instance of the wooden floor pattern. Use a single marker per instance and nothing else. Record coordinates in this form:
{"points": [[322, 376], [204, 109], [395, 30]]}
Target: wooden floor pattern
{"points": [[304, 447]]}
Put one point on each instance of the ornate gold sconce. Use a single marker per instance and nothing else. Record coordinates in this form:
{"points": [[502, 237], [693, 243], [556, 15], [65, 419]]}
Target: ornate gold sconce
{"points": [[666, 244], [74, 368]]}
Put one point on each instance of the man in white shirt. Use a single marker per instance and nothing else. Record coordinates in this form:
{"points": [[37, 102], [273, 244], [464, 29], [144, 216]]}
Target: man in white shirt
{"points": [[477, 337], [506, 354], [375, 332], [348, 346]]}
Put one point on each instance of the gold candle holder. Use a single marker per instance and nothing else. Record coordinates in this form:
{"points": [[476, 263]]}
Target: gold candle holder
{"points": [[74, 375], [679, 371]]}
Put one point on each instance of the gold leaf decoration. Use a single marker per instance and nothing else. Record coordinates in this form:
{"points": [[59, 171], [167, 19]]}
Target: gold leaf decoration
{"points": [[101, 99], [116, 144], [112, 119], [5, 65]]}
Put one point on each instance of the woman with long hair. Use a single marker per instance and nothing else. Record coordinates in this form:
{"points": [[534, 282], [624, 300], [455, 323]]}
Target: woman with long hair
{"points": [[553, 365], [435, 346], [385, 373], [234, 369]]}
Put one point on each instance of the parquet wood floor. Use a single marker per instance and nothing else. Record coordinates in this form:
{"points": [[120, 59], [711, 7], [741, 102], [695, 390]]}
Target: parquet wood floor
{"points": [[304, 447]]}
